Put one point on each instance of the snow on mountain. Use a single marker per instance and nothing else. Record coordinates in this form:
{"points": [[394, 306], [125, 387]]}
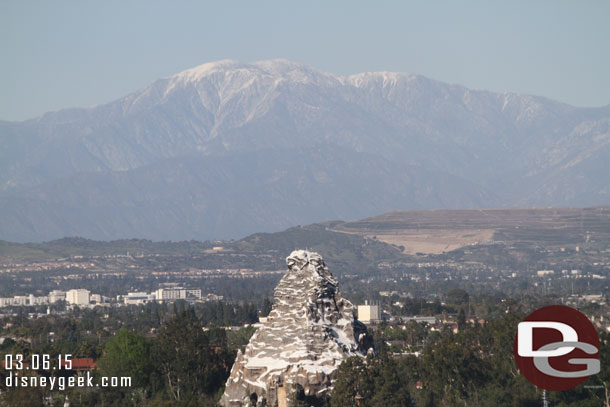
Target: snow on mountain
{"points": [[415, 135]]}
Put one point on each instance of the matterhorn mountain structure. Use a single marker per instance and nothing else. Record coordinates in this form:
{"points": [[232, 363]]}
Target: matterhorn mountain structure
{"points": [[229, 148], [307, 335]]}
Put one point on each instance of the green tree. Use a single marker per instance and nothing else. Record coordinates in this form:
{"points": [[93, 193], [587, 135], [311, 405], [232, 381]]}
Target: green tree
{"points": [[352, 378], [298, 398], [376, 381], [391, 388], [128, 354], [461, 319], [193, 366], [266, 308], [457, 296]]}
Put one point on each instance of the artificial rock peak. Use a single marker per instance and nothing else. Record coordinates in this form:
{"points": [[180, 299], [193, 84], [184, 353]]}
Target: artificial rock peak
{"points": [[306, 336]]}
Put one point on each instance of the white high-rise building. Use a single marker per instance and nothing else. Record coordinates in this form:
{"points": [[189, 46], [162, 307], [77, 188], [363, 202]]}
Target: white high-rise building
{"points": [[78, 297]]}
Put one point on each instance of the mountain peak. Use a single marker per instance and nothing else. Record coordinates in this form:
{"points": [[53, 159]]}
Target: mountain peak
{"points": [[259, 129], [208, 68], [307, 335], [272, 69], [311, 262]]}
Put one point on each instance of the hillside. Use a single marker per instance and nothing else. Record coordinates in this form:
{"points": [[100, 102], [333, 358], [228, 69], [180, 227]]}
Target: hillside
{"points": [[227, 149], [438, 231]]}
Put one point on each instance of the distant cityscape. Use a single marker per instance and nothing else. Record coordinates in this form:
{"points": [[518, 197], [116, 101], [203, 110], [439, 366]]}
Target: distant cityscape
{"points": [[84, 298]]}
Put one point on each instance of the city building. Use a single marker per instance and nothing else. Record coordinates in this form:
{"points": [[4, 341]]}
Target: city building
{"points": [[193, 293], [85, 297], [138, 298], [177, 293], [368, 313], [542, 273], [37, 300], [170, 294], [427, 320], [56, 295], [78, 296], [5, 302]]}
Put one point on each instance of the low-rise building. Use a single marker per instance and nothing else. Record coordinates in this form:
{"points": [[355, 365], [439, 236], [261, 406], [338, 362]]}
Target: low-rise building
{"points": [[194, 293], [138, 298], [542, 273], [32, 300], [428, 320], [170, 294], [57, 295]]}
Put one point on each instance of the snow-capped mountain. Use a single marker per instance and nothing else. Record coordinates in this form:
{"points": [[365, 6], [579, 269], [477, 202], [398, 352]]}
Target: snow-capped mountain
{"points": [[229, 148], [309, 332]]}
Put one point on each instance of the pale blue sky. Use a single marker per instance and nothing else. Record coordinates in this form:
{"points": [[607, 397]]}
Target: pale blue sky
{"points": [[58, 54]]}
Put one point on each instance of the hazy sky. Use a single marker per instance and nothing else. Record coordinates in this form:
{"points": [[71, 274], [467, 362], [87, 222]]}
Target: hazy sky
{"points": [[57, 54]]}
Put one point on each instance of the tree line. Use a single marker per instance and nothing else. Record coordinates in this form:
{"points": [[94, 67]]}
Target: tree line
{"points": [[181, 355]]}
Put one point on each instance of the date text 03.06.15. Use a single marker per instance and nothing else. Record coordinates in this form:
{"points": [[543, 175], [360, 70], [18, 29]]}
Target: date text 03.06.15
{"points": [[37, 361]]}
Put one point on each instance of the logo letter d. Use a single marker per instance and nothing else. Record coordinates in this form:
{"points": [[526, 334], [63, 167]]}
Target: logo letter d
{"points": [[525, 338]]}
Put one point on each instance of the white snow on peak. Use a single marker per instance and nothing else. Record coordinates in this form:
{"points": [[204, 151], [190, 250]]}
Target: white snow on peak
{"points": [[208, 69], [386, 78], [272, 67], [280, 65]]}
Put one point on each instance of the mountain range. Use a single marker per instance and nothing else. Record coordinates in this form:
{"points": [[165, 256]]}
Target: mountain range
{"points": [[228, 148]]}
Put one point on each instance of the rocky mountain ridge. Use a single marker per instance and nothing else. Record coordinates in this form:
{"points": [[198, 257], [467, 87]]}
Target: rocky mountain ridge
{"points": [[175, 159], [309, 332]]}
